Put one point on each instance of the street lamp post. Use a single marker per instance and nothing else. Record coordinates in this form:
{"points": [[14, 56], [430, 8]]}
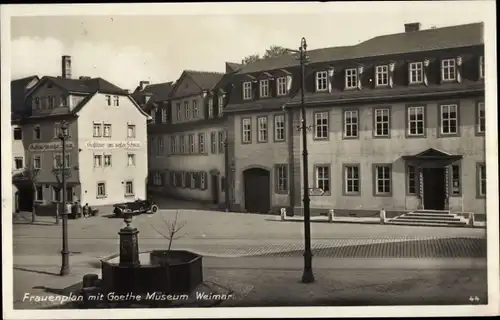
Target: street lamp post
{"points": [[307, 275], [63, 136]]}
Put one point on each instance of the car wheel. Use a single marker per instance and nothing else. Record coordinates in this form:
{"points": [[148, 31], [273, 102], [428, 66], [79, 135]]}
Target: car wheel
{"points": [[118, 212], [154, 208]]}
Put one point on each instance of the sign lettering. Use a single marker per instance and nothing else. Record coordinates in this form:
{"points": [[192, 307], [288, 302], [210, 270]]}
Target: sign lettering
{"points": [[113, 145], [49, 146]]}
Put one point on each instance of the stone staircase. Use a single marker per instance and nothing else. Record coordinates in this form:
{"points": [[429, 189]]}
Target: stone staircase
{"points": [[437, 218]]}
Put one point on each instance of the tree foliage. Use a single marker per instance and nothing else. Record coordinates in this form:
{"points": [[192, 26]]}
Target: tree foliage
{"points": [[272, 52]]}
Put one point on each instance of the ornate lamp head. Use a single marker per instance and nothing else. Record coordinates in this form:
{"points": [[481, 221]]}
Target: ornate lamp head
{"points": [[64, 132], [127, 218]]}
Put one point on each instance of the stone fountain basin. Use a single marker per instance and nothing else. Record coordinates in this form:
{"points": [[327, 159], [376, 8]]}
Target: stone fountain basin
{"points": [[168, 272]]}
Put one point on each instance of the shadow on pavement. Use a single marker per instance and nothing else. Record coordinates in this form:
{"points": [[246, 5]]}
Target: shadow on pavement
{"points": [[36, 271]]}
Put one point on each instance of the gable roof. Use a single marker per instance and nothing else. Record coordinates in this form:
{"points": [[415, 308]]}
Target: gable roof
{"points": [[204, 79], [417, 41], [87, 85], [159, 91], [18, 91]]}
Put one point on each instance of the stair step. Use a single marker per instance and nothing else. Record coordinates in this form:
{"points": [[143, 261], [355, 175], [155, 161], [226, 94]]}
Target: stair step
{"points": [[424, 224], [428, 221], [451, 218], [432, 211]]}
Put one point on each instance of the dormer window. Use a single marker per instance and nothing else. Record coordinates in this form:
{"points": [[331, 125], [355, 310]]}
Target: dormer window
{"points": [[37, 103], [416, 72], [37, 134], [264, 88], [382, 75], [221, 105], [321, 81], [351, 78], [178, 113], [281, 86], [481, 67], [448, 70], [52, 102], [186, 110], [247, 90], [146, 99], [210, 108]]}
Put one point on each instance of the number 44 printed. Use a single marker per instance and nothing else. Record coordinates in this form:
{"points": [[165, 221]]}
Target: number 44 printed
{"points": [[474, 299]]}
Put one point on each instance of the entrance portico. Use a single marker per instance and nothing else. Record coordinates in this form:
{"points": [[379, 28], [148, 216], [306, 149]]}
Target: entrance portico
{"points": [[432, 176]]}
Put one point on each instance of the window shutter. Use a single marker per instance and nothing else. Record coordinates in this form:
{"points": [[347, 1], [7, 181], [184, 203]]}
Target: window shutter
{"points": [[273, 90], [255, 89], [459, 69], [392, 67], [197, 180], [425, 67], [359, 75], [331, 73]]}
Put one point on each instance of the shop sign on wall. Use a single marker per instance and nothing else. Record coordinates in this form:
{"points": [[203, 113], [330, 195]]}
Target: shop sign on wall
{"points": [[113, 144], [49, 146]]}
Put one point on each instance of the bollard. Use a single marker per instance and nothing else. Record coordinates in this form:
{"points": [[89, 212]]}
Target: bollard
{"points": [[382, 216], [471, 219], [283, 214], [331, 214], [89, 280]]}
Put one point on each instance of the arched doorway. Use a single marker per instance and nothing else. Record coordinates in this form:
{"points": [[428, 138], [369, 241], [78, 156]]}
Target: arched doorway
{"points": [[257, 190]]}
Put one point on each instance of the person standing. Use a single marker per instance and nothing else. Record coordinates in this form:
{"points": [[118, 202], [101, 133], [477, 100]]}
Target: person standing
{"points": [[86, 210]]}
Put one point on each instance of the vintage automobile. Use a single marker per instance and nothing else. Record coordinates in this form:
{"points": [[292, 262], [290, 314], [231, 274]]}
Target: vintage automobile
{"points": [[135, 207]]}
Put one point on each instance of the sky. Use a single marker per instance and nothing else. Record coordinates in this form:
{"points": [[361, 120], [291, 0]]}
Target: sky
{"points": [[125, 49]]}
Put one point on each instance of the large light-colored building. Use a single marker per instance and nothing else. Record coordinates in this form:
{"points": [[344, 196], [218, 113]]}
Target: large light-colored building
{"points": [[106, 152], [396, 122], [187, 137]]}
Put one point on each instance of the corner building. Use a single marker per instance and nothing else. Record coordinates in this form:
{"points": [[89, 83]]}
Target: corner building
{"points": [[396, 122], [106, 152]]}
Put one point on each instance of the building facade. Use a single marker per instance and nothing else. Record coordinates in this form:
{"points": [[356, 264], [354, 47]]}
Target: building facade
{"points": [[187, 138], [395, 122], [106, 151]]}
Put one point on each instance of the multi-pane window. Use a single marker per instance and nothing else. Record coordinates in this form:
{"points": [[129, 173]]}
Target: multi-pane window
{"points": [[153, 115], [97, 130], [56, 194], [129, 188], [448, 70], [222, 142], [201, 142], [481, 67], [57, 130], [264, 88], [281, 86], [449, 119], [157, 179], [173, 144], [37, 162], [482, 179], [107, 130], [382, 121], [202, 180], [213, 142], [116, 101], [163, 115], [321, 125], [18, 163], [279, 127], [195, 108], [382, 75], [178, 109], [130, 131], [101, 189], [416, 121], [186, 110], [281, 178], [37, 103], [191, 143], [52, 102], [38, 193], [247, 90], [351, 176], [108, 100], [455, 180], [411, 174], [131, 159], [182, 143], [97, 160], [382, 179], [210, 108], [481, 118], [57, 161], [416, 72], [221, 105], [323, 178], [192, 180], [247, 130], [262, 129], [351, 123], [159, 146], [321, 81], [107, 160], [18, 134], [37, 133], [351, 78]]}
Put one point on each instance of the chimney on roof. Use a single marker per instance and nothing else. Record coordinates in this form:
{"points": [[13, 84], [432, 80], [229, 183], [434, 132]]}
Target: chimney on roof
{"points": [[143, 84], [66, 67], [411, 27]]}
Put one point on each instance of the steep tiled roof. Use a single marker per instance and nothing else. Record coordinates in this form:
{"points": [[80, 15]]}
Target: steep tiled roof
{"points": [[406, 42], [159, 91], [18, 91], [86, 85], [204, 79]]}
